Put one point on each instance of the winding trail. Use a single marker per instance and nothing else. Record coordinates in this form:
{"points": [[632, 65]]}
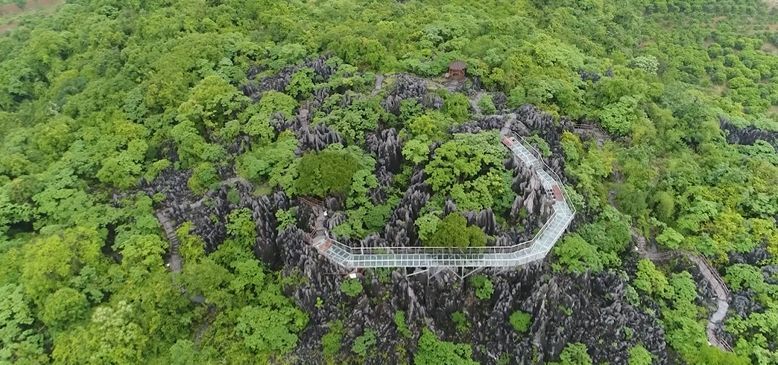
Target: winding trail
{"points": [[176, 263], [722, 299], [379, 81], [711, 276]]}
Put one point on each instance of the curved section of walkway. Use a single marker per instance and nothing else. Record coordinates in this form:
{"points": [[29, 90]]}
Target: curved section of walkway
{"points": [[710, 274], [472, 257]]}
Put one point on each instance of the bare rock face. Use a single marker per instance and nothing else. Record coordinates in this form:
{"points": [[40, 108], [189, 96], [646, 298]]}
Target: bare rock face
{"points": [[487, 123], [531, 207], [500, 100], [400, 230], [596, 303], [279, 81], [386, 146], [564, 309], [317, 137], [406, 87], [484, 219], [747, 135]]}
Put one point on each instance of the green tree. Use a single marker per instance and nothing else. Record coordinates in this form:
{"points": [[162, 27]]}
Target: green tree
{"points": [[64, 306], [301, 84], [452, 231], [638, 355], [487, 105], [20, 342], [273, 162], [351, 287], [483, 286], [430, 126], [433, 351], [427, 225], [670, 238], [332, 340], [470, 168], [269, 332], [577, 255], [520, 321], [57, 261], [400, 323], [211, 104], [183, 352], [330, 171], [364, 343], [457, 106], [651, 281], [111, 337], [574, 354], [361, 115], [204, 175]]}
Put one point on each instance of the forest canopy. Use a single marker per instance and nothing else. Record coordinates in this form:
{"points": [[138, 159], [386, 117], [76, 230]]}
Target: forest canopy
{"points": [[668, 112]]}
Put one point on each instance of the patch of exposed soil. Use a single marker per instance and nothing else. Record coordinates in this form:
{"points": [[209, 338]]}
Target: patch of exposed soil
{"points": [[9, 11]]}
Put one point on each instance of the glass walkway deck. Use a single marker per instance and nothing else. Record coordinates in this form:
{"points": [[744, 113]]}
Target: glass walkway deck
{"points": [[472, 257]]}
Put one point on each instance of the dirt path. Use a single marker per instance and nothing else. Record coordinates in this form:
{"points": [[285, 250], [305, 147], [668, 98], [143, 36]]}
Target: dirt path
{"points": [[379, 82], [474, 103], [176, 263], [722, 298], [711, 276]]}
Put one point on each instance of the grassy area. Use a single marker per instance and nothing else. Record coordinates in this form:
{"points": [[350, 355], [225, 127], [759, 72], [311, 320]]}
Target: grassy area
{"points": [[11, 11]]}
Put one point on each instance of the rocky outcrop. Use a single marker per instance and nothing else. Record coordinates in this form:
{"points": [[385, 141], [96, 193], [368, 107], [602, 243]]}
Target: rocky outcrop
{"points": [[400, 230], [564, 308], [406, 87], [747, 135], [280, 80]]}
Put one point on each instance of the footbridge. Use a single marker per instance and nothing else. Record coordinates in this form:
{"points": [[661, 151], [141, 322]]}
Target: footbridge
{"points": [[471, 257]]}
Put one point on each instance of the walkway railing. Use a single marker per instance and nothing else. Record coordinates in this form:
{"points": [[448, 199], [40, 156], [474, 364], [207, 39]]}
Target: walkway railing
{"points": [[472, 257]]}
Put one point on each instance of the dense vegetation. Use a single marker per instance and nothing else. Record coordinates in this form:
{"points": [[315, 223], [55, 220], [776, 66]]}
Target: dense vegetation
{"points": [[101, 97]]}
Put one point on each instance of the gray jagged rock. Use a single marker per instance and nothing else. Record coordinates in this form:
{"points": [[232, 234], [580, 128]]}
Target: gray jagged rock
{"points": [[747, 135], [564, 308]]}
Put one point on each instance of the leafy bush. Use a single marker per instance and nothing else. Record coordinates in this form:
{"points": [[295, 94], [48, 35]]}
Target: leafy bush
{"points": [[402, 327], [520, 321], [363, 343], [487, 105], [460, 321], [332, 340], [638, 355], [286, 219], [433, 351], [453, 231], [351, 287], [651, 281], [577, 255], [574, 354], [457, 106], [483, 286]]}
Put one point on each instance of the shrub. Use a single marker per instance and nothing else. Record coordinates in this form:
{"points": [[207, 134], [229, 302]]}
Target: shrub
{"points": [[331, 341], [402, 327], [487, 105], [351, 287], [638, 355], [520, 321], [483, 287], [364, 343], [460, 321]]}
